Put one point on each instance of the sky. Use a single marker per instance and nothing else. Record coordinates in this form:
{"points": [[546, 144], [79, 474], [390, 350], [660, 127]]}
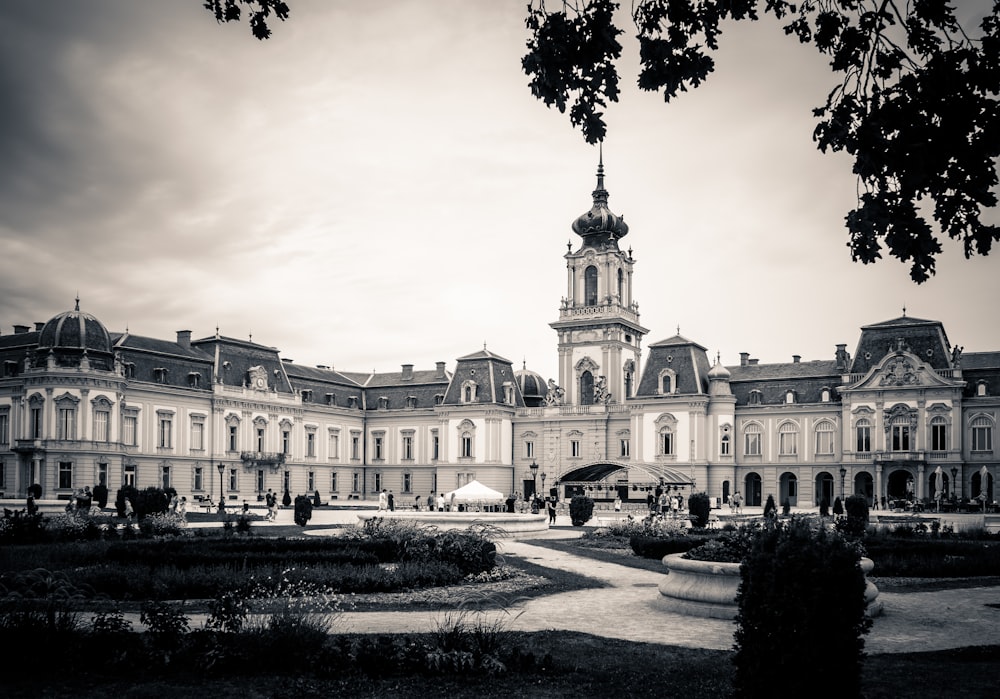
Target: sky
{"points": [[375, 186]]}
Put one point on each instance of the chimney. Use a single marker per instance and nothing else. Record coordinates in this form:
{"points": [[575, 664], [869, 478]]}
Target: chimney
{"points": [[20, 329], [753, 362], [39, 326], [842, 357], [440, 370], [407, 372], [796, 358], [744, 358], [322, 366], [184, 338]]}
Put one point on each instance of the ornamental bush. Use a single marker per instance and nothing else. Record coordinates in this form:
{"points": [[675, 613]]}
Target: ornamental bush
{"points": [[801, 610], [581, 509], [857, 515], [700, 508]]}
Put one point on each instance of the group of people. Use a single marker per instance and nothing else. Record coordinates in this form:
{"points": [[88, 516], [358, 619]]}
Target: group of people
{"points": [[178, 506], [271, 502], [662, 504]]}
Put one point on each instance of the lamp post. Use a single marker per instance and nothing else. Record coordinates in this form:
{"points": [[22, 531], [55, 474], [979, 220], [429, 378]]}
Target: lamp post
{"points": [[954, 480], [534, 479], [543, 482], [843, 475], [222, 502]]}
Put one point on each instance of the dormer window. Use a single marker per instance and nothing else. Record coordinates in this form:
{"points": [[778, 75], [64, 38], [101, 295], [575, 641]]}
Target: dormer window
{"points": [[824, 395], [411, 401], [194, 379], [307, 395], [160, 375], [129, 370], [438, 398], [789, 396], [508, 393], [331, 399], [755, 397], [981, 388], [470, 391], [352, 402], [668, 382], [383, 402]]}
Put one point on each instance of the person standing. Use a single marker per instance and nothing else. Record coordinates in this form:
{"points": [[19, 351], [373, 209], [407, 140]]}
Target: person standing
{"points": [[391, 501], [550, 506], [182, 508], [618, 503], [440, 502], [32, 507], [383, 500]]}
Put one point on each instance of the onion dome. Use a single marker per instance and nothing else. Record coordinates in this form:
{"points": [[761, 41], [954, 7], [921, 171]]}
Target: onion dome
{"points": [[74, 335], [533, 387], [600, 226], [718, 379]]}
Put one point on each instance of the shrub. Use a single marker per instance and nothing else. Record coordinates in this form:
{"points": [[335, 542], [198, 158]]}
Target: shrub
{"points": [[857, 515], [700, 508], [101, 495], [150, 501], [824, 508], [286, 499], [838, 507], [126, 492], [801, 610], [581, 509], [786, 507], [770, 509], [303, 510]]}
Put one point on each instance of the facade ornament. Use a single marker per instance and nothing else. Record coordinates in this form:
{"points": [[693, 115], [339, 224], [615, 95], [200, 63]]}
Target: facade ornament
{"points": [[555, 394], [956, 356], [601, 393], [899, 372]]}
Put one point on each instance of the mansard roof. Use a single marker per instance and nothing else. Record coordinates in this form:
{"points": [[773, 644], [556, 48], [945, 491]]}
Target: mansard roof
{"points": [[773, 381], [925, 338], [237, 357], [685, 358], [489, 372]]}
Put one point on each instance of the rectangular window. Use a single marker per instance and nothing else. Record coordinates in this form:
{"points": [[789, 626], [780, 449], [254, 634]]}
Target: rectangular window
{"points": [[199, 478], [667, 443], [982, 438], [35, 432], [165, 477], [529, 449], [435, 446], [65, 474], [130, 430], [333, 482], [939, 440], [625, 447], [864, 433], [574, 448], [4, 428], [102, 419], [128, 475], [333, 446], [355, 446], [355, 482], [751, 443], [234, 438], [311, 482], [66, 426], [165, 435], [824, 442], [900, 437], [788, 443], [286, 442], [724, 446], [466, 446], [102, 475], [260, 439], [197, 435], [234, 483], [378, 482], [311, 445], [286, 481], [407, 483], [377, 447], [407, 447]]}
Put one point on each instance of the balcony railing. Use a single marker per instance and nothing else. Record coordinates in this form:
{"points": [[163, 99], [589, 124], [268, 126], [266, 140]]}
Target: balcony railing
{"points": [[255, 459]]}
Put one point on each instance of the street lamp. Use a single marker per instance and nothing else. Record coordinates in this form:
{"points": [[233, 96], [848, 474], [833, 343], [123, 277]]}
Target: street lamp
{"points": [[222, 502], [954, 480], [843, 475], [543, 482], [534, 476]]}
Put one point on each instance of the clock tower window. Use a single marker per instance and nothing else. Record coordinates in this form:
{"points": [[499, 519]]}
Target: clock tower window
{"points": [[590, 285]]}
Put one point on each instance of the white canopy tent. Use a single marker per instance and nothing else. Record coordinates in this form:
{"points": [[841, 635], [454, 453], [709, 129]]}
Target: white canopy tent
{"points": [[474, 493]]}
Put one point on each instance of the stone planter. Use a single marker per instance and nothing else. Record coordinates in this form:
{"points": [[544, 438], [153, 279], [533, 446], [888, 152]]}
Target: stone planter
{"points": [[708, 588]]}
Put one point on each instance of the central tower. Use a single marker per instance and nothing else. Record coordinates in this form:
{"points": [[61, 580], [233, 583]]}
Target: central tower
{"points": [[599, 333]]}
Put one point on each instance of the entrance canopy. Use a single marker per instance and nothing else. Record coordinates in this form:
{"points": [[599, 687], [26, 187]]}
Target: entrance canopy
{"points": [[602, 470], [475, 492]]}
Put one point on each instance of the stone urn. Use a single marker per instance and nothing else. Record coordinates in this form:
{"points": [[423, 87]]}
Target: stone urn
{"points": [[708, 588]]}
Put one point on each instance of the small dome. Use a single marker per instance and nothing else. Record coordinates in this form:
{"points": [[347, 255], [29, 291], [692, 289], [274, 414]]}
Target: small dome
{"points": [[73, 336], [533, 387], [719, 372], [599, 225]]}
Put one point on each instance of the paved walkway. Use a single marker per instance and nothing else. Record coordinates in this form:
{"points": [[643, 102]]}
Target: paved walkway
{"points": [[920, 621]]}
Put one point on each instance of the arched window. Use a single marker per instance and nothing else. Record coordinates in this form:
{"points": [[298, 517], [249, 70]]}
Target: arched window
{"points": [[667, 441], [621, 287], [939, 433], [788, 439], [586, 388], [982, 434], [752, 435], [590, 286], [667, 383], [824, 437], [863, 432]]}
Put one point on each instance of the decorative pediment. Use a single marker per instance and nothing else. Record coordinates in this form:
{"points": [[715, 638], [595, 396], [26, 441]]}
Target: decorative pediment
{"points": [[67, 400], [899, 414], [665, 419], [587, 364], [903, 369]]}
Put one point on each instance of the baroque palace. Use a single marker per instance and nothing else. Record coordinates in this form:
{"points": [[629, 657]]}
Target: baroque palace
{"points": [[906, 415]]}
